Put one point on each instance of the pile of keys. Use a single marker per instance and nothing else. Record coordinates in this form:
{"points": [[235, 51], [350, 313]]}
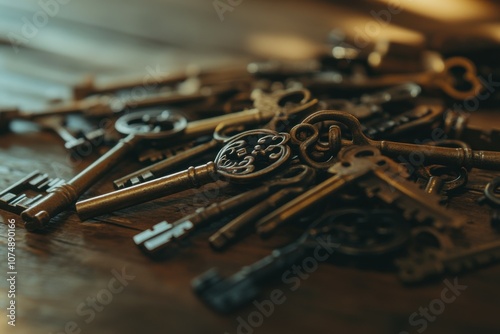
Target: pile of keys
{"points": [[321, 147]]}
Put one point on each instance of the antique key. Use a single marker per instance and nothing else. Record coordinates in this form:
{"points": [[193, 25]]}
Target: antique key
{"points": [[163, 167], [137, 130], [348, 232], [227, 294], [165, 236], [377, 176], [442, 78], [440, 180], [249, 156], [308, 136], [266, 105]]}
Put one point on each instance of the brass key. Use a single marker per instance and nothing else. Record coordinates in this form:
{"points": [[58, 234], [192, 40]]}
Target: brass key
{"points": [[247, 157], [266, 107], [138, 130], [377, 176], [166, 236], [307, 136]]}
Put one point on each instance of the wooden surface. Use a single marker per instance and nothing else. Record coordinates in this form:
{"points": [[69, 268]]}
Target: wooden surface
{"points": [[59, 269], [72, 261]]}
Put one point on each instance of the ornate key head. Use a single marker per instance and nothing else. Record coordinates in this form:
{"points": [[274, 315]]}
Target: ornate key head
{"points": [[363, 233], [253, 154], [152, 124]]}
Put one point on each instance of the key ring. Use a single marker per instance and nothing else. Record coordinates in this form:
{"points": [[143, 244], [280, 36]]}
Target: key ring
{"points": [[152, 125], [446, 82]]}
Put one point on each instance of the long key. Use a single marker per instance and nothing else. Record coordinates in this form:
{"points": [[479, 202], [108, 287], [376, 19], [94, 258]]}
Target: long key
{"points": [[164, 236], [442, 79], [226, 294], [39, 215], [267, 106], [248, 156], [433, 262], [163, 167], [306, 135], [379, 177]]}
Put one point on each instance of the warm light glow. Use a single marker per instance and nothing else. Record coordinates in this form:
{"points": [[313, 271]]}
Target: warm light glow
{"points": [[446, 10], [282, 46]]}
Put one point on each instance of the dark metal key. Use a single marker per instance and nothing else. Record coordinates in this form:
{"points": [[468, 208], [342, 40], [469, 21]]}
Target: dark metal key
{"points": [[139, 130], [166, 236], [247, 157]]}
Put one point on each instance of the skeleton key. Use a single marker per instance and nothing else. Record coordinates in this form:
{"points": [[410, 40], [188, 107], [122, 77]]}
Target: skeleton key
{"points": [[90, 87], [56, 124], [378, 177], [226, 294], [411, 120], [432, 262], [306, 135], [266, 105], [439, 180], [138, 130], [442, 78], [164, 236], [249, 156]]}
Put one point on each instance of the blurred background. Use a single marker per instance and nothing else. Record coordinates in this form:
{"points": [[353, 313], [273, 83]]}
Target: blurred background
{"points": [[65, 41]]}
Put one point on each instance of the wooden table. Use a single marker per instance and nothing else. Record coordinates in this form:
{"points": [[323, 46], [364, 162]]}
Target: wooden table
{"points": [[62, 270]]}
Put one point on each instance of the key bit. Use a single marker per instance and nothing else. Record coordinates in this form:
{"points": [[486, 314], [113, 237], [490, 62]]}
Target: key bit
{"points": [[163, 235], [248, 157], [27, 191]]}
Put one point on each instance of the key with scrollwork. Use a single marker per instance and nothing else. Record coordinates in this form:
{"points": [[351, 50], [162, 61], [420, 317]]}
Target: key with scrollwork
{"points": [[247, 157]]}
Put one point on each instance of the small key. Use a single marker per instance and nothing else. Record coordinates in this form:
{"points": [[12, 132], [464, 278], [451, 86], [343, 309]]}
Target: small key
{"points": [[247, 157], [440, 180], [307, 136], [164, 236], [412, 120], [456, 125], [138, 129], [432, 262], [227, 294], [378, 177]]}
